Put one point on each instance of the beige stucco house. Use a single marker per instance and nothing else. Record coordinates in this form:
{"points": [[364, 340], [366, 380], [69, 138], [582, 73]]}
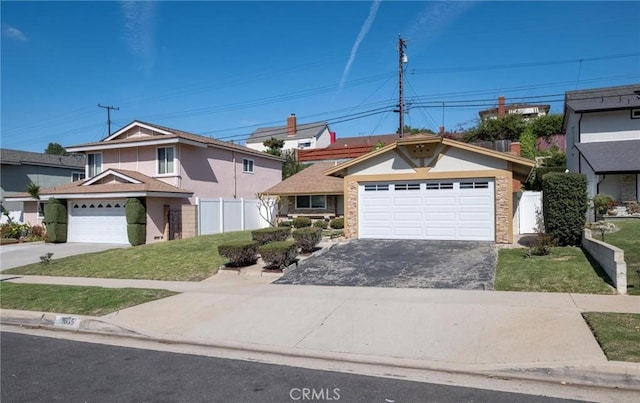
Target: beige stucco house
{"points": [[168, 169], [427, 187]]}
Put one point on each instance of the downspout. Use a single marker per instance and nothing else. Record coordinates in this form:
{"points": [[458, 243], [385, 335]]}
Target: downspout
{"points": [[235, 182]]}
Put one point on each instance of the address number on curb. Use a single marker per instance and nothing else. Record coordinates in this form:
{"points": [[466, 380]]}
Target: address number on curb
{"points": [[72, 322]]}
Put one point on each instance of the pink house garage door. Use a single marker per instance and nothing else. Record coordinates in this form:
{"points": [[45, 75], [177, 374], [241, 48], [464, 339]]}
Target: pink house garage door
{"points": [[97, 221], [431, 210]]}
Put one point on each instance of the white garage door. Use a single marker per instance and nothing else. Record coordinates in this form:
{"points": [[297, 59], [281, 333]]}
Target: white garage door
{"points": [[97, 221], [443, 209]]}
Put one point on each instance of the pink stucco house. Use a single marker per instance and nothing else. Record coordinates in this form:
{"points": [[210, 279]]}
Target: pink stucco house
{"points": [[167, 169]]}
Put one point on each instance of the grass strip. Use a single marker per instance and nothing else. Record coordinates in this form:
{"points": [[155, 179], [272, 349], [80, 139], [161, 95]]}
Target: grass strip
{"points": [[92, 301], [617, 333]]}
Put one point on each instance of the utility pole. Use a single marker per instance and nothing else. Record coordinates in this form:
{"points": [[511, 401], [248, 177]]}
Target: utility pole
{"points": [[108, 108], [402, 45]]}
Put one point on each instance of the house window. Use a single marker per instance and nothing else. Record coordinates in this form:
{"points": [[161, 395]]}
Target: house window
{"points": [[474, 185], [247, 165], [313, 201], [94, 164], [40, 209], [635, 113], [439, 185], [76, 176], [304, 144], [407, 186], [376, 188], [165, 160]]}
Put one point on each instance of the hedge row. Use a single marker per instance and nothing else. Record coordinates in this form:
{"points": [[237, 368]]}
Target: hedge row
{"points": [[241, 253], [55, 219], [279, 255], [307, 238], [272, 234], [564, 206], [136, 215]]}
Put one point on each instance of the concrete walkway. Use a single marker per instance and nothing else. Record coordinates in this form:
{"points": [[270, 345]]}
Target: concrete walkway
{"points": [[453, 330]]}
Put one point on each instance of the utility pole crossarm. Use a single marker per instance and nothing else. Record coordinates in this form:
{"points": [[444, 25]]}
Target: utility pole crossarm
{"points": [[109, 108]]}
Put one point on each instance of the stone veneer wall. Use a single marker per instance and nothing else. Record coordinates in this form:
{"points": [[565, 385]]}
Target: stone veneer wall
{"points": [[502, 209], [189, 221], [351, 210]]}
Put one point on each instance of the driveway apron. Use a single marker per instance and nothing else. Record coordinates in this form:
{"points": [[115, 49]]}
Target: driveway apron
{"points": [[400, 264]]}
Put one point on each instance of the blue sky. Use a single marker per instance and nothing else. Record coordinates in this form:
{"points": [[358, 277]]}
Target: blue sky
{"points": [[224, 68]]}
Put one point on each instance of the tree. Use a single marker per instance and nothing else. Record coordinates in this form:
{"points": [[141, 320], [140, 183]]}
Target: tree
{"points": [[291, 166], [33, 190], [55, 149], [269, 207], [415, 130], [508, 127], [274, 146], [546, 126]]}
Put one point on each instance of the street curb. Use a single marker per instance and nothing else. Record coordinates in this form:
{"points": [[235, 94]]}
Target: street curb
{"points": [[610, 375]]}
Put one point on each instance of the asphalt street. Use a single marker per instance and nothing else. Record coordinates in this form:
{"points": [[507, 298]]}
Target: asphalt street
{"points": [[42, 369]]}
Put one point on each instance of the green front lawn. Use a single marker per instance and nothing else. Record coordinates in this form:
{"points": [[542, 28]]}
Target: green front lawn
{"points": [[617, 333], [191, 259], [628, 239], [93, 301], [564, 270]]}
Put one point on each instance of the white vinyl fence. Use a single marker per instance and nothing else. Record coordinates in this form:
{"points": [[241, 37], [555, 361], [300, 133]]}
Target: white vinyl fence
{"points": [[224, 215], [530, 204]]}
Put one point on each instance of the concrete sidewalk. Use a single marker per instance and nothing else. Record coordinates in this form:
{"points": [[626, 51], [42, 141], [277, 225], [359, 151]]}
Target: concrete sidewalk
{"points": [[454, 330], [21, 254]]}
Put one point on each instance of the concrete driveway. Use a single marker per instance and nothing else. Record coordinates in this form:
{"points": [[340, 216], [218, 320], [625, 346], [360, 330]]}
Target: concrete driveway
{"points": [[20, 254], [400, 264]]}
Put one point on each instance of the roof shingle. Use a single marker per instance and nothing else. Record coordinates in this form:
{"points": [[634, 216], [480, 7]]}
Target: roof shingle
{"points": [[310, 180]]}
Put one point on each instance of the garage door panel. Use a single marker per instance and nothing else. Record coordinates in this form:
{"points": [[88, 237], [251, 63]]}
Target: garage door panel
{"points": [[439, 210]]}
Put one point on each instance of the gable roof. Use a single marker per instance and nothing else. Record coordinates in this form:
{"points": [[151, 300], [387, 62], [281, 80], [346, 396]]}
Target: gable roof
{"points": [[16, 157], [521, 166], [603, 99], [303, 131], [599, 156], [164, 134], [132, 184], [346, 148], [311, 180]]}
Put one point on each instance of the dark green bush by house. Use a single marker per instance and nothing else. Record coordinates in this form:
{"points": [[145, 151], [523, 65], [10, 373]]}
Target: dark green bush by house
{"points": [[136, 222], [55, 219], [337, 223], [242, 253], [273, 234], [301, 222], [564, 205], [278, 254], [321, 224], [307, 238], [287, 223]]}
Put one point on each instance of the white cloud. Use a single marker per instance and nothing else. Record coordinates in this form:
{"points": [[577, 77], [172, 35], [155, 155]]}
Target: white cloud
{"points": [[139, 30], [364, 30], [434, 18], [14, 33]]}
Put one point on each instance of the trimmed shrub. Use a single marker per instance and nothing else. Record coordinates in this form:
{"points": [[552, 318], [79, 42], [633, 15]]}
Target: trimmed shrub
{"points": [[137, 234], [241, 253], [56, 232], [321, 224], [307, 238], [36, 233], [273, 234], [278, 254], [287, 223], [55, 211], [564, 205], [135, 212], [301, 222], [337, 223], [14, 230]]}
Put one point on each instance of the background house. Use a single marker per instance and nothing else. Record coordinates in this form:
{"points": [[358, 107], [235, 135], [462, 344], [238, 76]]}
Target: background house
{"points": [[527, 111], [602, 129], [19, 168], [294, 135], [168, 169], [343, 149]]}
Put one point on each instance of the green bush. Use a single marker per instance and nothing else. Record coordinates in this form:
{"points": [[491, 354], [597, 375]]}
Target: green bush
{"points": [[137, 234], [56, 232], [321, 224], [603, 202], [287, 223], [267, 235], [55, 212], [564, 205], [307, 238], [301, 222], [14, 230], [135, 212], [278, 254], [241, 253], [337, 223]]}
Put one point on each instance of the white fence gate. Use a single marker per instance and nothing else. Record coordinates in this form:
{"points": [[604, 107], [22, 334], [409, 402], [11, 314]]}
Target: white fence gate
{"points": [[530, 204], [224, 215]]}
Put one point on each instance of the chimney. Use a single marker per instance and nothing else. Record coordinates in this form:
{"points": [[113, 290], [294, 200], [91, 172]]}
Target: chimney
{"points": [[501, 109], [441, 131], [292, 129], [332, 136], [514, 148]]}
